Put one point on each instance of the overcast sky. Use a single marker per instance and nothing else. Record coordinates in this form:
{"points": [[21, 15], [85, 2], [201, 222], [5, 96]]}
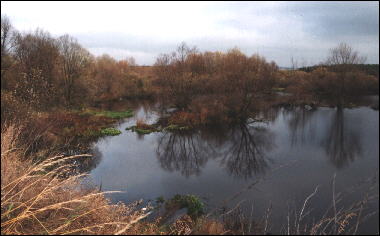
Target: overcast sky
{"points": [[276, 30]]}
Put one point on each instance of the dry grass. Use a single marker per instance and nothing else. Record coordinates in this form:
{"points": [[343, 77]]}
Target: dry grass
{"points": [[338, 218], [38, 199]]}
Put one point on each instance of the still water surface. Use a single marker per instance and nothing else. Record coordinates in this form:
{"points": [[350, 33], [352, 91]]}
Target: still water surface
{"points": [[289, 156]]}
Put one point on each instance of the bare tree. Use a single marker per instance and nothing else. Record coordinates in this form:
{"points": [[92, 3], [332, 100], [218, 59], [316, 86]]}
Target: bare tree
{"points": [[131, 61], [175, 77], [342, 60], [344, 55], [74, 59], [6, 35], [294, 63], [6, 44], [183, 51]]}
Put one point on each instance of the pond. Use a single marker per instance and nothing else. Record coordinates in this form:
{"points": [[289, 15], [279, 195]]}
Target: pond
{"points": [[262, 165]]}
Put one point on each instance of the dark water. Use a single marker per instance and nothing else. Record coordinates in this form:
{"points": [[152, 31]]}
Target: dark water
{"points": [[289, 156]]}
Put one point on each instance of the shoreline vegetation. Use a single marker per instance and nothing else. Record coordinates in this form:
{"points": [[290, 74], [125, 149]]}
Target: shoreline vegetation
{"points": [[56, 97]]}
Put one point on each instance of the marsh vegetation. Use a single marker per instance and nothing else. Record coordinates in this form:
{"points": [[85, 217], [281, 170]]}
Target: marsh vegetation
{"points": [[242, 145]]}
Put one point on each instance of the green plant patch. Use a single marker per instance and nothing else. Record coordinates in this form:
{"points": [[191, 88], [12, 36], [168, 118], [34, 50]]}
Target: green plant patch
{"points": [[154, 128], [176, 128], [131, 128], [110, 132], [143, 131], [160, 200], [194, 205]]}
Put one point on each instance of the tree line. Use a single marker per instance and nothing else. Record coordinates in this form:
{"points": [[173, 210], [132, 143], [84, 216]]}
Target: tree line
{"points": [[44, 71], [40, 72]]}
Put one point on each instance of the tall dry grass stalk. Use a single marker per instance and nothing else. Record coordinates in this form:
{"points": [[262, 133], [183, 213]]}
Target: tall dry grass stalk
{"points": [[37, 199], [337, 219]]}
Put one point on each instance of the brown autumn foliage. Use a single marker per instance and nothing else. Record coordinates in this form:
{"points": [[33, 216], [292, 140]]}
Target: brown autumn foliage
{"points": [[339, 78], [328, 83], [70, 130], [200, 82], [325, 82], [36, 57], [360, 83], [104, 77], [44, 72]]}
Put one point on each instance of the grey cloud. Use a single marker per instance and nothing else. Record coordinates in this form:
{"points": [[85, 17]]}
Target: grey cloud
{"points": [[331, 19], [276, 30]]}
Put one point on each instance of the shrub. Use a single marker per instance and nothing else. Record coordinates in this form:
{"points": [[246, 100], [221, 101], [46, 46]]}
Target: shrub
{"points": [[12, 109]]}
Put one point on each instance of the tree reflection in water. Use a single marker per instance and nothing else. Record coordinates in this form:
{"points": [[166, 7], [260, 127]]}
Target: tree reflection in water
{"points": [[183, 152], [241, 149], [245, 154], [342, 143], [300, 118]]}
